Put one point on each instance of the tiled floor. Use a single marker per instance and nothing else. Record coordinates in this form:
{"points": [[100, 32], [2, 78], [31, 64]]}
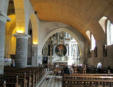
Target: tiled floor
{"points": [[50, 80]]}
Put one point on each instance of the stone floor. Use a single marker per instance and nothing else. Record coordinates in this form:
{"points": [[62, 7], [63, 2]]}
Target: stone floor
{"points": [[50, 80]]}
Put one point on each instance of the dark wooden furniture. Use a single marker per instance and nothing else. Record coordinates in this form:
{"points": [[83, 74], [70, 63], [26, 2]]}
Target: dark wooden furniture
{"points": [[24, 77], [87, 80]]}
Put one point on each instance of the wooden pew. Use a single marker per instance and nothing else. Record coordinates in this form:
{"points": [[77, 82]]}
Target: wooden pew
{"points": [[2, 82], [87, 80], [36, 74], [15, 80], [24, 78], [33, 75], [11, 81]]}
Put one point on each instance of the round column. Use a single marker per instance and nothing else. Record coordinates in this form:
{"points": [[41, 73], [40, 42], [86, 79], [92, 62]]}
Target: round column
{"points": [[21, 50], [2, 45], [3, 20]]}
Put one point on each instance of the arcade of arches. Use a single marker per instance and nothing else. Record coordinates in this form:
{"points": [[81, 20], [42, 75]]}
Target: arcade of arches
{"points": [[53, 34]]}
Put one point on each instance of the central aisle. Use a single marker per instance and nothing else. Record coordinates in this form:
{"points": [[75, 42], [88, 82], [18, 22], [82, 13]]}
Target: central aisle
{"points": [[51, 81]]}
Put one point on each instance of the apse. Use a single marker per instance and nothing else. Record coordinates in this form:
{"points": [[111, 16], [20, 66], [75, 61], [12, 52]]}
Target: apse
{"points": [[61, 47]]}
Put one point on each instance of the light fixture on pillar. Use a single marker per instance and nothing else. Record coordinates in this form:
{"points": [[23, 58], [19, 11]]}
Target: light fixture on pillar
{"points": [[20, 30], [35, 42]]}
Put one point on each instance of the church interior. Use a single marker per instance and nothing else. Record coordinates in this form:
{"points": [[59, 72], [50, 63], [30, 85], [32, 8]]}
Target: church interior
{"points": [[56, 43]]}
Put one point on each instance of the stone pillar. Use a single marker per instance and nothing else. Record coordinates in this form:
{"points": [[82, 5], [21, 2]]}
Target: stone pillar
{"points": [[21, 50], [34, 55], [3, 20], [2, 43]]}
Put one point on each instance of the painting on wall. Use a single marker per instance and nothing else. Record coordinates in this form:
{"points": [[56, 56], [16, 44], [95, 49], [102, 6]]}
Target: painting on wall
{"points": [[61, 50]]}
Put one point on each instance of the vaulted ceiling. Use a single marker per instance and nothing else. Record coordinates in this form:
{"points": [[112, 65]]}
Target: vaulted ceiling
{"points": [[80, 14]]}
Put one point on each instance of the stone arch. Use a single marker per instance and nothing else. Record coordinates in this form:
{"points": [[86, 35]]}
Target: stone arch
{"points": [[34, 23], [68, 31], [12, 24], [33, 26]]}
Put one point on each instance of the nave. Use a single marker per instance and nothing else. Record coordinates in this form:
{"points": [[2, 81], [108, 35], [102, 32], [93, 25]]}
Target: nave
{"points": [[56, 34]]}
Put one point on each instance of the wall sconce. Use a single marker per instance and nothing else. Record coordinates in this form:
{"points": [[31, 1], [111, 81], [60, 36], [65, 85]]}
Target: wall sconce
{"points": [[20, 30], [35, 42]]}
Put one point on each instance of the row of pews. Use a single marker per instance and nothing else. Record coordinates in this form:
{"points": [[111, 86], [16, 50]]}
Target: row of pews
{"points": [[25, 77], [87, 80], [91, 69]]}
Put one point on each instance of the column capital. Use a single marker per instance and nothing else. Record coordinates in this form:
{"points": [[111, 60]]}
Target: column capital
{"points": [[35, 45], [3, 17], [21, 35]]}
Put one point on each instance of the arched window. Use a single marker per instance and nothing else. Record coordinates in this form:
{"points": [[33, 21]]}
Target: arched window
{"points": [[107, 27], [102, 22], [93, 42], [109, 32], [88, 34], [92, 39]]}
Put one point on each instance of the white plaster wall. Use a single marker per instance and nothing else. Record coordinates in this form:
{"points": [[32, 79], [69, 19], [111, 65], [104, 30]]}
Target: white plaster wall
{"points": [[4, 5], [28, 12]]}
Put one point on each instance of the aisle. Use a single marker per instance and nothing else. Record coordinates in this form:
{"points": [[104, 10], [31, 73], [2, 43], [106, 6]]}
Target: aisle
{"points": [[51, 81]]}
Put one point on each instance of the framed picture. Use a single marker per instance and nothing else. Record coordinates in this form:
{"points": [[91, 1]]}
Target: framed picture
{"points": [[61, 50]]}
